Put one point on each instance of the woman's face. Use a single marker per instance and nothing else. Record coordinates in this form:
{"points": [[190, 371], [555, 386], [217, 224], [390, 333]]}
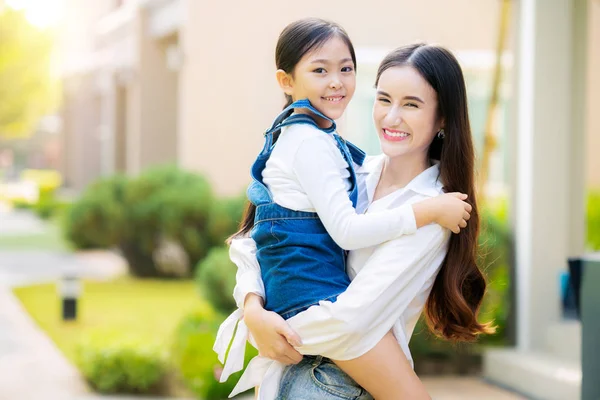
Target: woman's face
{"points": [[405, 113]]}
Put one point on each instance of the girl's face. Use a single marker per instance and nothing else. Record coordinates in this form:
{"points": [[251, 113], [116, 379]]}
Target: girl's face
{"points": [[326, 77], [405, 113]]}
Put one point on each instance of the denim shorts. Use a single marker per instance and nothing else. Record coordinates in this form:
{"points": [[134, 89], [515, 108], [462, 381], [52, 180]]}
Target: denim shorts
{"points": [[318, 378]]}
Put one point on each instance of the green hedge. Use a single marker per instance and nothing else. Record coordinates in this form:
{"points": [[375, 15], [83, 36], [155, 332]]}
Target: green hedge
{"points": [[225, 217], [98, 218], [166, 206], [216, 279], [197, 363], [50, 207], [164, 221], [115, 363]]}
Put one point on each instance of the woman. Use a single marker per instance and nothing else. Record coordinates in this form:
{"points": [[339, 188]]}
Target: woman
{"points": [[422, 122]]}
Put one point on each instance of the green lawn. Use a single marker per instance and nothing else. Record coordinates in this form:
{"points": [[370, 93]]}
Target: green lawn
{"points": [[148, 308], [51, 240]]}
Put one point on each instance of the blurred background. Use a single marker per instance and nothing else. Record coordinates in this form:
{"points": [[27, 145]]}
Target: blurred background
{"points": [[127, 129]]}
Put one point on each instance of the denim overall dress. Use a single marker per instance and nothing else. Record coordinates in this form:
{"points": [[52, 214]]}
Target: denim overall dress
{"points": [[300, 263]]}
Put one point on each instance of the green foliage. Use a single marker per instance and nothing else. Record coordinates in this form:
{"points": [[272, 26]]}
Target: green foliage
{"points": [[593, 220], [495, 247], [215, 276], [196, 361], [22, 204], [116, 363], [158, 220], [166, 206], [98, 219], [46, 180], [50, 207], [27, 91], [225, 217]]}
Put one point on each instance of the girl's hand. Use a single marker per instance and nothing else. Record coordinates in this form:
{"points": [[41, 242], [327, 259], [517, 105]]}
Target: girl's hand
{"points": [[452, 211], [272, 334], [448, 210]]}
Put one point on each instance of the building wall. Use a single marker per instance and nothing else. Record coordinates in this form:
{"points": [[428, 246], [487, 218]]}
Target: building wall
{"points": [[153, 105], [81, 136], [593, 98], [228, 94], [209, 115]]}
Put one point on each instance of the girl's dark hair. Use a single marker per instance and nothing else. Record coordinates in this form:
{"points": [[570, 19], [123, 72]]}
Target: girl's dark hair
{"points": [[295, 41], [455, 299]]}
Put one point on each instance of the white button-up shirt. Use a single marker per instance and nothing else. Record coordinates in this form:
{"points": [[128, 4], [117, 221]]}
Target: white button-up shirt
{"points": [[389, 288], [307, 172]]}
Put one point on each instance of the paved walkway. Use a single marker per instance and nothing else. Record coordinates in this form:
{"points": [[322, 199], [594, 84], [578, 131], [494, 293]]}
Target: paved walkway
{"points": [[465, 388], [19, 222], [32, 368]]}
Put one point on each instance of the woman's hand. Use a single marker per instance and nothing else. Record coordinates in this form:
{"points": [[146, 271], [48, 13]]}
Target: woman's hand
{"points": [[271, 332]]}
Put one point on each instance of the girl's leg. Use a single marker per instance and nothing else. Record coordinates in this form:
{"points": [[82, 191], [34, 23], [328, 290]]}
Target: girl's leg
{"points": [[318, 378], [385, 372]]}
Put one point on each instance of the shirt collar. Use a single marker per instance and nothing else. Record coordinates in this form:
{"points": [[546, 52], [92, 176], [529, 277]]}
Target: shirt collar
{"points": [[426, 183]]}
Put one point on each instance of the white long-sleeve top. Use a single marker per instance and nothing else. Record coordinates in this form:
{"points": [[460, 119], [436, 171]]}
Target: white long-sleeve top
{"points": [[389, 288], [307, 172]]}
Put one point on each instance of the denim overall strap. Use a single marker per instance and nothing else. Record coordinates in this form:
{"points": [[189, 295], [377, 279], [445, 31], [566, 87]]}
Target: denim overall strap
{"points": [[282, 121], [304, 103], [348, 157], [358, 156]]}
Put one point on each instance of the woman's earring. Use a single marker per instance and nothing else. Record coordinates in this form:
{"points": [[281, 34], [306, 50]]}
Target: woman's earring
{"points": [[441, 134]]}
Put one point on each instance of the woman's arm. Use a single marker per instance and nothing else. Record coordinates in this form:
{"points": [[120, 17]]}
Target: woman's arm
{"points": [[376, 298], [353, 329]]}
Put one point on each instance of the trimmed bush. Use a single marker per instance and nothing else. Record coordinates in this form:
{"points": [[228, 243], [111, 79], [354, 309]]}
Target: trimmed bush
{"points": [[22, 204], [170, 207], [50, 207], [158, 220], [196, 361], [215, 276], [225, 217], [114, 363], [98, 220]]}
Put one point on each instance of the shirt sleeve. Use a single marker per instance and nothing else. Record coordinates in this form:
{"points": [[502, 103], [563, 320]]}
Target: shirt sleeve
{"points": [[375, 299], [248, 278], [317, 172]]}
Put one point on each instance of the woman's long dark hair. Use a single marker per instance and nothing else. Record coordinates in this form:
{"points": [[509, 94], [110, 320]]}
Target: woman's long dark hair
{"points": [[455, 299], [295, 41]]}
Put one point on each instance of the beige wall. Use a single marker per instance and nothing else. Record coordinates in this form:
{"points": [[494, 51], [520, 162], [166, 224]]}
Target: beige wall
{"points": [[81, 135], [209, 116], [152, 105], [228, 94], [135, 120], [593, 107], [76, 39]]}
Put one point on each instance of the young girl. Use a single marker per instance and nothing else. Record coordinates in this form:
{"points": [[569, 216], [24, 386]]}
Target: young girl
{"points": [[304, 190]]}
